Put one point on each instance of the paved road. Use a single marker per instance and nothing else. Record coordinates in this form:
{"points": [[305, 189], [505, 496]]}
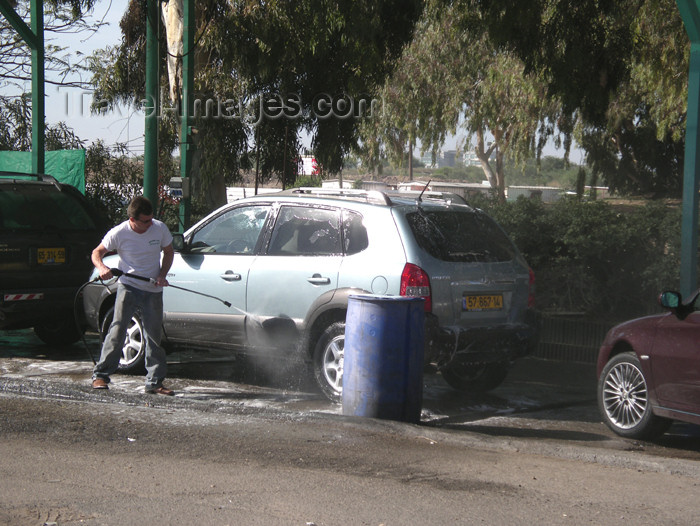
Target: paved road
{"points": [[541, 400], [238, 445]]}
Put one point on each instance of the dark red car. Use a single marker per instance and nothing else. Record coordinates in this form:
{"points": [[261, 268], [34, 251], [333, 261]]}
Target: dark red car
{"points": [[649, 370]]}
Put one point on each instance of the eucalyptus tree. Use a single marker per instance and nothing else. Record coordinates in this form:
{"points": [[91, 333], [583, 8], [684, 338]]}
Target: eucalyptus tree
{"points": [[452, 78], [284, 67], [621, 66]]}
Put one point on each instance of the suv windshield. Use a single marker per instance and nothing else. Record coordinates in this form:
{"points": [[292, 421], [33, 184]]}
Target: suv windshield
{"points": [[24, 207], [461, 236]]}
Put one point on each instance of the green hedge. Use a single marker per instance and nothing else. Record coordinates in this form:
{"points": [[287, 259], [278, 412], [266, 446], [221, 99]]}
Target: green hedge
{"points": [[595, 258]]}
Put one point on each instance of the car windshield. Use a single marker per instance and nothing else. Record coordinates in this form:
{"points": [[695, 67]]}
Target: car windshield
{"points": [[26, 207], [461, 236]]}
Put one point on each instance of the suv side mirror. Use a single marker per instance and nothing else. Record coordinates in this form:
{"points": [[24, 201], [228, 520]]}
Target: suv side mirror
{"points": [[179, 242]]}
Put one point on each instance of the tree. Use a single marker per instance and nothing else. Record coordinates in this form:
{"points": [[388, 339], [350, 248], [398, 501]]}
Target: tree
{"points": [[624, 77], [451, 77], [60, 16], [260, 62], [16, 129]]}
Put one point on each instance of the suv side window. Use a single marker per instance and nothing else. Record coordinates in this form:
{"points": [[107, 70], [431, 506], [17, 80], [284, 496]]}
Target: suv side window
{"points": [[236, 231], [305, 231], [354, 233]]}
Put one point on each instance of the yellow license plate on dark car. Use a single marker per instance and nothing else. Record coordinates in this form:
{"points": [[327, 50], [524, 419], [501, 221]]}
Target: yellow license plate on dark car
{"points": [[480, 302], [51, 256]]}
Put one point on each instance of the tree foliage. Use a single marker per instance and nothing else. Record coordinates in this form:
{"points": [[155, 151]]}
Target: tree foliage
{"points": [[590, 257], [16, 128], [60, 17], [621, 67], [269, 64], [451, 77]]}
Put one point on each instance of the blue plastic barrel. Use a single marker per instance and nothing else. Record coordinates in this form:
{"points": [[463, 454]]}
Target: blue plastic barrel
{"points": [[383, 362]]}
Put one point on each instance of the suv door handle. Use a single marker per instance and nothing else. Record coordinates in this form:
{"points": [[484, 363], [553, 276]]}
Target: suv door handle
{"points": [[317, 279], [229, 275]]}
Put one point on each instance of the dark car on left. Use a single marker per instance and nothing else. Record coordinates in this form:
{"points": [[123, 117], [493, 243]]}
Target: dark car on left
{"points": [[47, 233]]}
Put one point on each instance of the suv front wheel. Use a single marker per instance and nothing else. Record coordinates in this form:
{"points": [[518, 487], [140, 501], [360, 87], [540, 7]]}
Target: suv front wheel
{"points": [[134, 350], [328, 360]]}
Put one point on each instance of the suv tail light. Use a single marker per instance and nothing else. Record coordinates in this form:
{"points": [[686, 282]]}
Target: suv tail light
{"points": [[531, 291], [415, 283]]}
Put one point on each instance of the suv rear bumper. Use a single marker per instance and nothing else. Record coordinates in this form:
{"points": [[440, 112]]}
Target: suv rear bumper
{"points": [[479, 345], [30, 308]]}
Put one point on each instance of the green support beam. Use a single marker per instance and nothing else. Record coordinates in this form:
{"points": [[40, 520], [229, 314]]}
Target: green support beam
{"points": [[34, 37], [38, 94], [186, 140], [152, 106], [690, 12]]}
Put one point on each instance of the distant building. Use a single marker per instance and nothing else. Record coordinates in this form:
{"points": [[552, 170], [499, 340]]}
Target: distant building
{"points": [[444, 158], [374, 185], [465, 190], [448, 158], [470, 159], [335, 183]]}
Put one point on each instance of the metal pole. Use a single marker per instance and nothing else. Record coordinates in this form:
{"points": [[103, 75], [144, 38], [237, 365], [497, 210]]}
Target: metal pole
{"points": [[690, 13], [34, 37], [152, 106], [186, 139], [38, 94]]}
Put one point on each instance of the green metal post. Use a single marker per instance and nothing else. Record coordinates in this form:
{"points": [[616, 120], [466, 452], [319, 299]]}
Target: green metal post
{"points": [[38, 93], [690, 12], [34, 38], [186, 141], [152, 106]]}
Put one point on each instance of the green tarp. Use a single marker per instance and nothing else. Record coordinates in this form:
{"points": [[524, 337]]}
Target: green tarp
{"points": [[68, 166]]}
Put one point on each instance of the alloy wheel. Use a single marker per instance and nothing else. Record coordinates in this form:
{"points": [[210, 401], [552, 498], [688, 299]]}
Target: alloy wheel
{"points": [[625, 396]]}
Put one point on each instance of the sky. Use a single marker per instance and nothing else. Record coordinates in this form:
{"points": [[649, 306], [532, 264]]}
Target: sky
{"points": [[126, 125], [72, 106]]}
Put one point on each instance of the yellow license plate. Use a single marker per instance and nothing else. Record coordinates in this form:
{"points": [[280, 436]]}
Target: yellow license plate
{"points": [[482, 302], [51, 256]]}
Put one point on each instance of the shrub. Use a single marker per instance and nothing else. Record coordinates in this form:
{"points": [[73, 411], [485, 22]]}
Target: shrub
{"points": [[593, 258]]}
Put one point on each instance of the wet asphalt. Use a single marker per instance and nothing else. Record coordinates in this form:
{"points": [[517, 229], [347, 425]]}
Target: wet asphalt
{"points": [[542, 401]]}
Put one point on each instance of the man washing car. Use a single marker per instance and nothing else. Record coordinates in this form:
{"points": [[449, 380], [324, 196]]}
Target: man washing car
{"points": [[139, 242]]}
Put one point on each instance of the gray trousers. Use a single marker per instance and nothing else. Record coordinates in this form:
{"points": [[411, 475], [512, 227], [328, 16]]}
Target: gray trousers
{"points": [[149, 306]]}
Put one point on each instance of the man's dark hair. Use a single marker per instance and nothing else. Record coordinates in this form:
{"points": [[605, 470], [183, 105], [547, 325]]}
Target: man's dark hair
{"points": [[139, 205]]}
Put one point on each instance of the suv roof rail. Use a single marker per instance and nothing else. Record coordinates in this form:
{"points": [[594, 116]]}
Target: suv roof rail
{"points": [[18, 176], [383, 197], [371, 196]]}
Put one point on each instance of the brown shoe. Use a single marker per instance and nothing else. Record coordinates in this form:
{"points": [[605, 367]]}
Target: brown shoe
{"points": [[99, 383], [160, 390]]}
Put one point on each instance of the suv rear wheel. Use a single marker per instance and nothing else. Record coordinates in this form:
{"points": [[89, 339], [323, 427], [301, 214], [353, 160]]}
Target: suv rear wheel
{"points": [[328, 360], [59, 331], [475, 378], [134, 350]]}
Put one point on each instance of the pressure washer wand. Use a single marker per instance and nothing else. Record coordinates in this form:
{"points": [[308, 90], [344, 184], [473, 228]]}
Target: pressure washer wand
{"points": [[117, 272]]}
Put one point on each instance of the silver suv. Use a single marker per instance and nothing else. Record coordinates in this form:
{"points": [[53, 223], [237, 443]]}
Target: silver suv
{"points": [[273, 274]]}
